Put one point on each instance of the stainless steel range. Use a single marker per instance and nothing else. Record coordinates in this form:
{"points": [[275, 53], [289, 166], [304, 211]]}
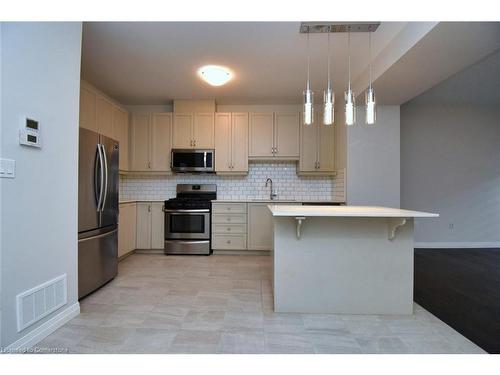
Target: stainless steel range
{"points": [[187, 219]]}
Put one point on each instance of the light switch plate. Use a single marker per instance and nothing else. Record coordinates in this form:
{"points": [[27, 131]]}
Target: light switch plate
{"points": [[7, 168]]}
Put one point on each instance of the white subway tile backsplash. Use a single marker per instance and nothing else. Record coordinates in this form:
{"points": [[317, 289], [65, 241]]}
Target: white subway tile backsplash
{"points": [[252, 186]]}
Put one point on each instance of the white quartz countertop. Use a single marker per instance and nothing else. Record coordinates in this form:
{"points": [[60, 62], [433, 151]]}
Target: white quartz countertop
{"points": [[258, 200], [344, 211], [248, 200]]}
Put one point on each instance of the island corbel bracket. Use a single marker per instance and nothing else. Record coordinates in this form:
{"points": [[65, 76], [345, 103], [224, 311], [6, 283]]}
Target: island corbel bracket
{"points": [[393, 224], [299, 220]]}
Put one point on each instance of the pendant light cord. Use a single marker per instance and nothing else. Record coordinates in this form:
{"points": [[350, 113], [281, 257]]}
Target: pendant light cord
{"points": [[308, 58], [349, 55], [370, 55], [329, 82]]}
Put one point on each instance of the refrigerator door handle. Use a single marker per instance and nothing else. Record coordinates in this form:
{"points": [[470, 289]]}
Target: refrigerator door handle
{"points": [[105, 193], [98, 236], [101, 172]]}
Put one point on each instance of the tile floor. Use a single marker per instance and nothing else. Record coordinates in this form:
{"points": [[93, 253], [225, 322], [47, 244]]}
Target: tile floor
{"points": [[223, 304]]}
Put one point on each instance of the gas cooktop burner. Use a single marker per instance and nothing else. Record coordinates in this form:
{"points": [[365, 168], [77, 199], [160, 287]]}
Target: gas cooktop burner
{"points": [[183, 203], [192, 197]]}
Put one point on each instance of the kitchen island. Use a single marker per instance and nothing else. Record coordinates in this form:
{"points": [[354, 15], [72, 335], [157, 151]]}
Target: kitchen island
{"points": [[343, 259]]}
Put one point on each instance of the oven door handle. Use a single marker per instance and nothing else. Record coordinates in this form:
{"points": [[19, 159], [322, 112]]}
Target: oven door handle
{"points": [[186, 211]]}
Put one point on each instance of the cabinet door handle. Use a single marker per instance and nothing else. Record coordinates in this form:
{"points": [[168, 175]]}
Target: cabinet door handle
{"points": [[149, 208], [229, 229], [228, 241], [149, 164], [318, 165]]}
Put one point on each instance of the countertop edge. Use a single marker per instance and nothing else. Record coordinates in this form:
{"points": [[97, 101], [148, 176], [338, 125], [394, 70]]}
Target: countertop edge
{"points": [[345, 211]]}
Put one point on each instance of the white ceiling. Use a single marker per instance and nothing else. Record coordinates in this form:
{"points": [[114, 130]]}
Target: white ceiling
{"points": [[154, 63], [448, 48]]}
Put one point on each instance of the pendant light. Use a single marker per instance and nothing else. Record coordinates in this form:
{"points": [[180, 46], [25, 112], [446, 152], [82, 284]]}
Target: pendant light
{"points": [[308, 94], [350, 104], [371, 109], [329, 96]]}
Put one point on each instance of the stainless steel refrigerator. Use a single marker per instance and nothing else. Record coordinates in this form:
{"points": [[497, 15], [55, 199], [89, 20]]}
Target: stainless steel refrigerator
{"points": [[97, 211]]}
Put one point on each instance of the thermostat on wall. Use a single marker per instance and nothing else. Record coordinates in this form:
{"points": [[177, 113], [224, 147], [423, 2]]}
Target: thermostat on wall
{"points": [[29, 134]]}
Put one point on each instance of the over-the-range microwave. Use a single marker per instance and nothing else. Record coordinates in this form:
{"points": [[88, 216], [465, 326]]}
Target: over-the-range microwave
{"points": [[189, 160]]}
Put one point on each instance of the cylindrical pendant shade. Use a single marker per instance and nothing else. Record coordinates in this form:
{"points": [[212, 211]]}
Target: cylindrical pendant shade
{"points": [[371, 109], [350, 108], [308, 107], [328, 107]]}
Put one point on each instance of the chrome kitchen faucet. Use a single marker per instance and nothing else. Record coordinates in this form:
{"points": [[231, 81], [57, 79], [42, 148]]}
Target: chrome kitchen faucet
{"points": [[272, 194]]}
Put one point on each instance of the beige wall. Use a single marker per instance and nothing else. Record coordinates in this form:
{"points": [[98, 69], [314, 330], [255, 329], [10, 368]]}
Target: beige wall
{"points": [[40, 77]]}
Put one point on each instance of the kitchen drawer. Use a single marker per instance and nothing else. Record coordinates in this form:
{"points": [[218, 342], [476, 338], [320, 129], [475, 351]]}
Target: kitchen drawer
{"points": [[229, 208], [229, 219], [229, 228], [229, 242]]}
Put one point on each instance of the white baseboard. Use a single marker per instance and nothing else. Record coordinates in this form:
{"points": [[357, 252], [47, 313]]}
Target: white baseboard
{"points": [[456, 245], [38, 334]]}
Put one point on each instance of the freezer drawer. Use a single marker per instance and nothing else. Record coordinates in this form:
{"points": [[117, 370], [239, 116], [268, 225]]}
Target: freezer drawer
{"points": [[97, 259]]}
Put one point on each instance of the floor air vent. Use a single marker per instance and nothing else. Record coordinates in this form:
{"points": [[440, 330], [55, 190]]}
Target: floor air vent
{"points": [[40, 301]]}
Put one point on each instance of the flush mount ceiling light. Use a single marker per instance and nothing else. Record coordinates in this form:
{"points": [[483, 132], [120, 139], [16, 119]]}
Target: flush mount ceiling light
{"points": [[215, 75]]}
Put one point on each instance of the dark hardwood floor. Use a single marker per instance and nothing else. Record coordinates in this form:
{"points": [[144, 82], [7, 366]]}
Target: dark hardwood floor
{"points": [[462, 288]]}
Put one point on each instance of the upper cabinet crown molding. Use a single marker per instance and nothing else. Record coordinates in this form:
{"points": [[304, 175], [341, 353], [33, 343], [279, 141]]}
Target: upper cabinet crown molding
{"points": [[274, 135]]}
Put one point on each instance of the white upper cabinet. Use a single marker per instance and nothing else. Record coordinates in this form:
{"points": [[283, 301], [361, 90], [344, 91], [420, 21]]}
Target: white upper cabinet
{"points": [[182, 132], [223, 142], [231, 143], [161, 138], [239, 141], [203, 130], [317, 148], [261, 135], [104, 116], [140, 136], [100, 114], [286, 135], [150, 142], [87, 109], [193, 130], [274, 136], [121, 134]]}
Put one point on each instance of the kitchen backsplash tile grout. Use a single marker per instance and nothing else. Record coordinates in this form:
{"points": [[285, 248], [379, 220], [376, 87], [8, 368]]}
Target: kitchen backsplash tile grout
{"points": [[283, 173]]}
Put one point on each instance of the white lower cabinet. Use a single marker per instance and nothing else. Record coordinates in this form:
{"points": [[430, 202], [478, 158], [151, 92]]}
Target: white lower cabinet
{"points": [[157, 226], [126, 228], [229, 227], [242, 226], [260, 226], [150, 225]]}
